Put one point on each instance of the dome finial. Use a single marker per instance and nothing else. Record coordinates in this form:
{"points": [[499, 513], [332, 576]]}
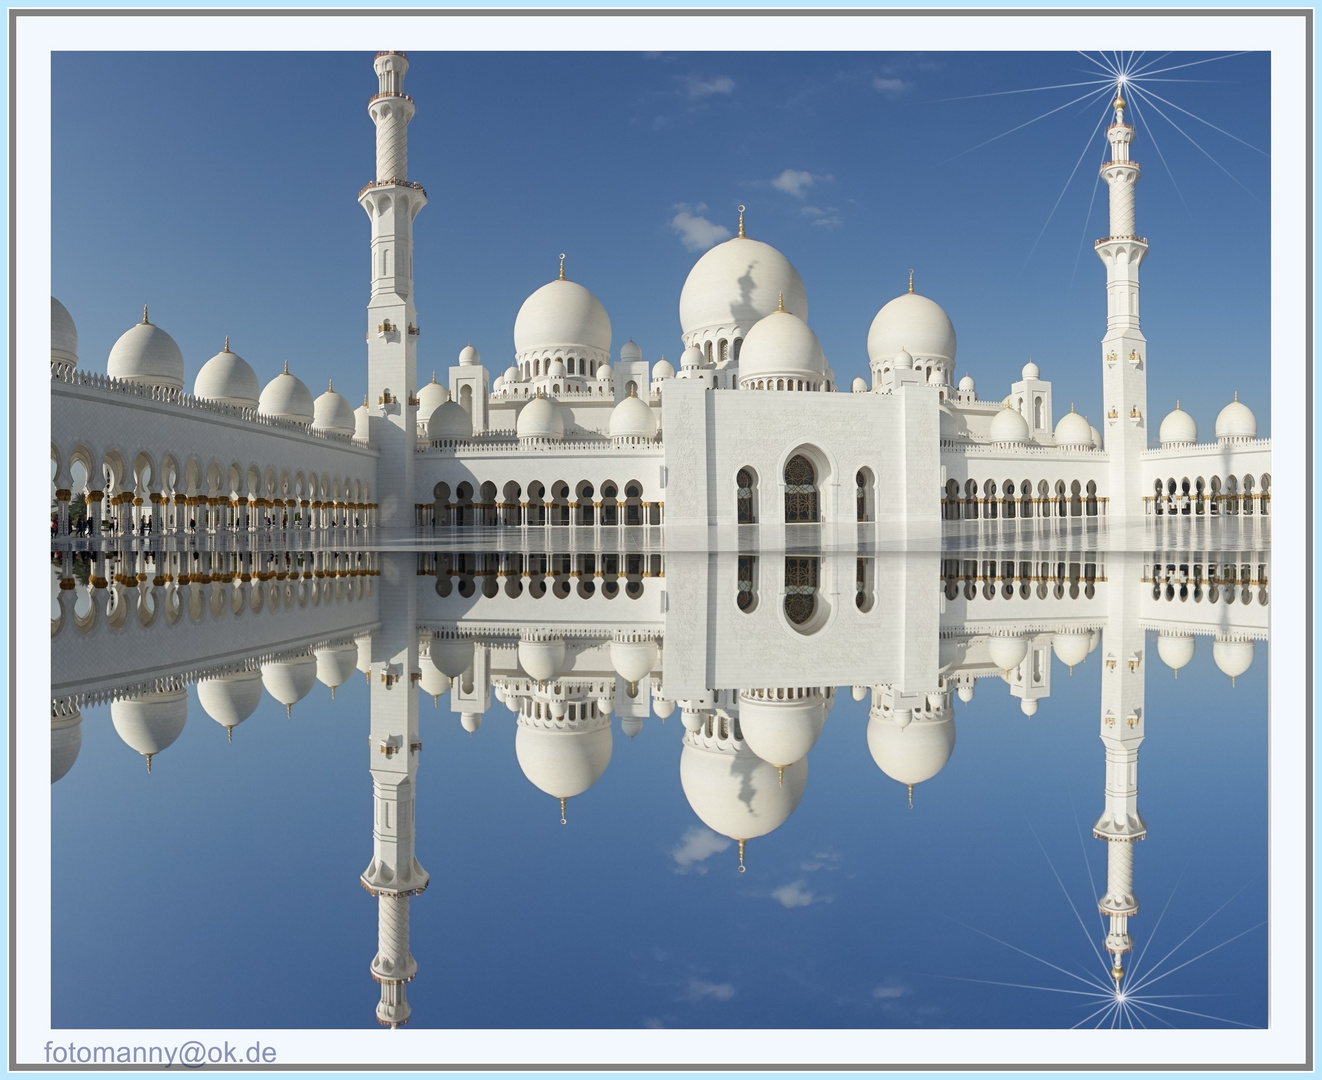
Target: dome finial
{"points": [[144, 312], [742, 208], [1236, 392], [780, 301], [1177, 403], [433, 377], [563, 820], [365, 406], [286, 367], [289, 711], [911, 279], [229, 733], [562, 266], [910, 796], [330, 386], [149, 762], [742, 867], [227, 344], [780, 775]]}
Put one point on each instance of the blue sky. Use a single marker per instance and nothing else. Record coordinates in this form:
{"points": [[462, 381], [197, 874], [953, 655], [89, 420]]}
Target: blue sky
{"points": [[228, 202]]}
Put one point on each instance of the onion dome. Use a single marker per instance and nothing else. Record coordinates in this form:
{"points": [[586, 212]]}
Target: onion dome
{"points": [[1072, 649], [1073, 430], [511, 375], [1175, 650], [469, 357], [1232, 657], [470, 721], [556, 370], [1236, 421], [452, 656], [914, 323], [563, 315], [335, 663], [1030, 371], [1028, 706], [605, 373], [631, 350], [1008, 426], [858, 693], [633, 419], [735, 285], [227, 377], [1007, 653], [540, 419], [936, 377], [498, 387], [146, 354], [286, 398], [605, 704], [66, 739], [967, 385], [432, 395], [434, 681], [362, 417], [633, 660], [150, 722], [663, 707], [290, 681], [1178, 428], [363, 643], [449, 420], [734, 792], [692, 718], [63, 341], [782, 344], [912, 752], [332, 413], [543, 660], [781, 730], [691, 358], [563, 757], [859, 386], [230, 699], [1096, 437], [903, 360], [965, 691], [631, 725]]}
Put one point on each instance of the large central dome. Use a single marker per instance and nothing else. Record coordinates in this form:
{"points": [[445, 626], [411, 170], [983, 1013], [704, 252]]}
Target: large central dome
{"points": [[736, 284], [562, 315]]}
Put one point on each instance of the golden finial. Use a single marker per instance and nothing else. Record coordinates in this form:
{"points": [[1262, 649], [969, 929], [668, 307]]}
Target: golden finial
{"points": [[563, 820], [1236, 392], [539, 392], [780, 775], [144, 319], [742, 867], [780, 301], [364, 401], [562, 266], [910, 796], [330, 386], [227, 344], [332, 693], [633, 393], [1119, 102], [911, 279], [742, 208], [1117, 973], [286, 367], [229, 733], [289, 711], [1071, 406], [433, 377], [149, 762]]}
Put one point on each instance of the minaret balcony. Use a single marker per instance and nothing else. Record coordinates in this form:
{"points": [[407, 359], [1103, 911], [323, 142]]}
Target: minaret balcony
{"points": [[391, 94], [1112, 239]]}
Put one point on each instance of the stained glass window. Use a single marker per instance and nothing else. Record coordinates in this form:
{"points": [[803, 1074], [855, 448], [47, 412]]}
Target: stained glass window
{"points": [[800, 490]]}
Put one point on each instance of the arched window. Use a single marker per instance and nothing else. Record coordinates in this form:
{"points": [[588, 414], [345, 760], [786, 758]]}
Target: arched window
{"points": [[1026, 499], [1090, 503], [746, 496], [1038, 418], [800, 491], [863, 584], [724, 351], [800, 589], [989, 498], [971, 500], [1009, 498], [746, 597], [708, 351], [952, 501], [1076, 503], [863, 494]]}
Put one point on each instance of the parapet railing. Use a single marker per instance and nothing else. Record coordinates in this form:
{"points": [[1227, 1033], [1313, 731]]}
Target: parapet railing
{"points": [[1031, 449], [1185, 448]]}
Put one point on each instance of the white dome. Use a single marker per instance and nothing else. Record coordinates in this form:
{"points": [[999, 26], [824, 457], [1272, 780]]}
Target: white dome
{"points": [[734, 792], [1030, 371], [287, 398], [540, 418], [470, 357], [1008, 426], [691, 358], [1071, 649], [859, 386], [230, 699], [332, 412], [781, 344], [434, 681], [663, 707], [605, 373], [633, 660], [431, 396], [66, 739], [1232, 657], [146, 354], [1007, 653], [903, 360], [936, 377], [556, 370], [512, 375], [736, 284], [228, 377], [470, 721], [631, 350], [1096, 437], [150, 722], [1175, 650], [633, 418], [858, 693], [335, 663], [1028, 706], [606, 705], [631, 725], [1178, 427], [965, 692], [498, 387], [1073, 430], [564, 762], [542, 660], [362, 421], [452, 656], [63, 341], [912, 753], [449, 420], [914, 323], [1236, 421], [562, 314], [781, 731], [967, 385], [290, 681]]}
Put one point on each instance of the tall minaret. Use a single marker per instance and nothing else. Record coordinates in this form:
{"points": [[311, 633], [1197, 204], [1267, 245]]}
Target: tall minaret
{"points": [[1120, 824], [1124, 349], [392, 202]]}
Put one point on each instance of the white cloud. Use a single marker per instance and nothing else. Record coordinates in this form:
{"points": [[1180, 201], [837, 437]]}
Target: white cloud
{"points": [[701, 989], [821, 860], [828, 215], [696, 232], [888, 992], [796, 894], [794, 182], [890, 87], [698, 87], [698, 844]]}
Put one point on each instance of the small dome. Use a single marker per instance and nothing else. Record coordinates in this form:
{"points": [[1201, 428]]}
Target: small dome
{"points": [[1007, 653], [1073, 430], [631, 725], [734, 792], [663, 707], [449, 420], [736, 284], [150, 722], [146, 354], [66, 739], [631, 350], [859, 386], [432, 395], [781, 344], [335, 663], [332, 413], [229, 378], [540, 418], [1028, 706], [562, 314], [1178, 427], [498, 386], [1030, 371], [967, 385], [633, 660], [286, 398], [911, 753], [936, 377], [290, 681], [63, 337], [781, 731], [633, 418], [1236, 421], [542, 660], [230, 699], [1071, 649], [903, 360], [914, 323], [470, 721], [858, 693], [691, 358], [566, 761], [1008, 426], [965, 692], [556, 370], [434, 681], [605, 705], [362, 420], [451, 656], [1232, 657], [469, 357], [1096, 437], [512, 375], [1175, 650], [605, 373]]}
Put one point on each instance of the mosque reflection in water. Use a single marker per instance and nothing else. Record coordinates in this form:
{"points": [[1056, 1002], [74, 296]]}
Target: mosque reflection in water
{"points": [[750, 650]]}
